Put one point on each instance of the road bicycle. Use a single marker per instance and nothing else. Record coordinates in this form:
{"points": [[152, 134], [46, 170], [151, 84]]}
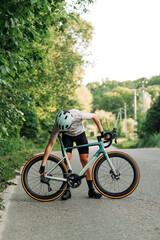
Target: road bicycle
{"points": [[115, 174]]}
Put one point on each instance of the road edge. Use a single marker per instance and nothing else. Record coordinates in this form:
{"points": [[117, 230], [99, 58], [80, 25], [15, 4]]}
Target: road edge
{"points": [[6, 200]]}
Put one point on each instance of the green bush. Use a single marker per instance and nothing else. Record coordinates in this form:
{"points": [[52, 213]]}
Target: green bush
{"points": [[149, 123], [14, 153], [150, 141], [141, 131], [127, 144], [152, 123], [10, 163], [10, 145], [30, 126]]}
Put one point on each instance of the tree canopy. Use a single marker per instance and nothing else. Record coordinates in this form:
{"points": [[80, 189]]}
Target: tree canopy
{"points": [[40, 61]]}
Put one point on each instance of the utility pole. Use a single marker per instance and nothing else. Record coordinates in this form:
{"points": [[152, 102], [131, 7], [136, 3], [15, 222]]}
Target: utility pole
{"points": [[125, 116], [143, 95], [120, 116], [135, 112], [117, 120]]}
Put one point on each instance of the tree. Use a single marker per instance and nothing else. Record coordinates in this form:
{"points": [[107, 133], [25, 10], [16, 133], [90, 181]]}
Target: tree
{"points": [[107, 119], [31, 75], [115, 99], [84, 99], [30, 125], [62, 69], [23, 24], [130, 126], [154, 91], [152, 123]]}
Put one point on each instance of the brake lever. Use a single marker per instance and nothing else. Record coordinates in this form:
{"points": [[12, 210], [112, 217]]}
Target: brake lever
{"points": [[115, 137]]}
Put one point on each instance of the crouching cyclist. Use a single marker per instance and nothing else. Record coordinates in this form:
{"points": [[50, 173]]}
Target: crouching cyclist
{"points": [[70, 123]]}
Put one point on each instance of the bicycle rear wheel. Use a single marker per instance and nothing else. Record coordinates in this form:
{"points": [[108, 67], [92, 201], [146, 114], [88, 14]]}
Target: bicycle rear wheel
{"points": [[46, 190], [116, 186]]}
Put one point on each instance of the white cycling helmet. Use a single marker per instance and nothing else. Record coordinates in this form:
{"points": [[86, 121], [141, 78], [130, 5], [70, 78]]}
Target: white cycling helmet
{"points": [[64, 120]]}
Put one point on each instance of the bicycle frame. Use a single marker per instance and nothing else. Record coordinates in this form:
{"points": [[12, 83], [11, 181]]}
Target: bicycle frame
{"points": [[101, 150]]}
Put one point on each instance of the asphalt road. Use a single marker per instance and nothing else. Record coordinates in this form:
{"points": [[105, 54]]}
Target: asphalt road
{"points": [[136, 217]]}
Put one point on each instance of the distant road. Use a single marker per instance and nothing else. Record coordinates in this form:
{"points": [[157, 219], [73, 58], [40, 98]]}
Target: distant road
{"points": [[136, 217]]}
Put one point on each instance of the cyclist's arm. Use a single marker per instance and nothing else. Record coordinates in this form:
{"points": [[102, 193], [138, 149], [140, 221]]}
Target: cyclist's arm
{"points": [[97, 122], [50, 145], [48, 150]]}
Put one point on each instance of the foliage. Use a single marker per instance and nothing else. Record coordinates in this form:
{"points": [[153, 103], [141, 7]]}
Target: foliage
{"points": [[30, 125], [10, 145], [10, 163], [107, 119], [130, 126], [150, 140], [84, 99], [154, 91], [109, 87], [152, 123], [62, 72], [127, 144], [155, 80], [149, 124], [22, 23], [116, 98], [38, 56], [14, 153], [141, 125]]}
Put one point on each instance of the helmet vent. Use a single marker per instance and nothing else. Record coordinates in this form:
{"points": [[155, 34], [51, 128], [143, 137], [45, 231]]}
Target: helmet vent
{"points": [[64, 120]]}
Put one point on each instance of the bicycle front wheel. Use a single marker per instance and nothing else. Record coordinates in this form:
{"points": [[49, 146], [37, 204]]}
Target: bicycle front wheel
{"points": [[39, 187], [119, 186]]}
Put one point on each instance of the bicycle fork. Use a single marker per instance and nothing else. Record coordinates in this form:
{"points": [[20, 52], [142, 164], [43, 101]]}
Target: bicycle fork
{"points": [[108, 159]]}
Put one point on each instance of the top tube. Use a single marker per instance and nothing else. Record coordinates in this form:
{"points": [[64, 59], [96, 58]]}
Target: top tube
{"points": [[99, 143], [84, 145]]}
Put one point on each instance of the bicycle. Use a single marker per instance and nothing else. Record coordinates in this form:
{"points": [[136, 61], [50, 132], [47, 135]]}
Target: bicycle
{"points": [[115, 174]]}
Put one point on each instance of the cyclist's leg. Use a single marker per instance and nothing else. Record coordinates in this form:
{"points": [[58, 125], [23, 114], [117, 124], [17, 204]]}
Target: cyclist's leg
{"points": [[68, 142], [84, 153], [84, 161]]}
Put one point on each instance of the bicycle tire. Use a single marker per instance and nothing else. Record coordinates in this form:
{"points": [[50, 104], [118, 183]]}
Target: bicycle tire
{"points": [[31, 179], [104, 180]]}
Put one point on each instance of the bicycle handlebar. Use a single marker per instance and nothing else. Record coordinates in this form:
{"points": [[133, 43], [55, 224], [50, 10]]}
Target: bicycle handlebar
{"points": [[112, 135]]}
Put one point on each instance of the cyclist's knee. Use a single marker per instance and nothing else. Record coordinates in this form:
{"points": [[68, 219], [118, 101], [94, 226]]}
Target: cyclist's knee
{"points": [[84, 159]]}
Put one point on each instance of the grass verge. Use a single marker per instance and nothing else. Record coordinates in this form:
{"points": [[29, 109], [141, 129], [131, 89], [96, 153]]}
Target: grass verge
{"points": [[10, 163], [147, 142], [127, 143]]}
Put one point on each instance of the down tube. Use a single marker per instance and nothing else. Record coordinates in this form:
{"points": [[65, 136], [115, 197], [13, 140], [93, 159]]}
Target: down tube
{"points": [[92, 160]]}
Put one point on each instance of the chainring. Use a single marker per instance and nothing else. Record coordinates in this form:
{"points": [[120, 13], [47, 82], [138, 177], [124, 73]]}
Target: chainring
{"points": [[73, 180]]}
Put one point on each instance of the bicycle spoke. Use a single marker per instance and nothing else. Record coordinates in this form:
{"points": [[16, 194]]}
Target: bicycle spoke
{"points": [[42, 187], [108, 181]]}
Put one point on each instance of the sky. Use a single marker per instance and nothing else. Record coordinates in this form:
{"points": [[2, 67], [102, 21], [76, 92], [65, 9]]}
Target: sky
{"points": [[126, 40]]}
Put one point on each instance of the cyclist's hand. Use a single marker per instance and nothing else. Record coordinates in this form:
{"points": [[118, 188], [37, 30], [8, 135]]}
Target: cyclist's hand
{"points": [[104, 135], [42, 170]]}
